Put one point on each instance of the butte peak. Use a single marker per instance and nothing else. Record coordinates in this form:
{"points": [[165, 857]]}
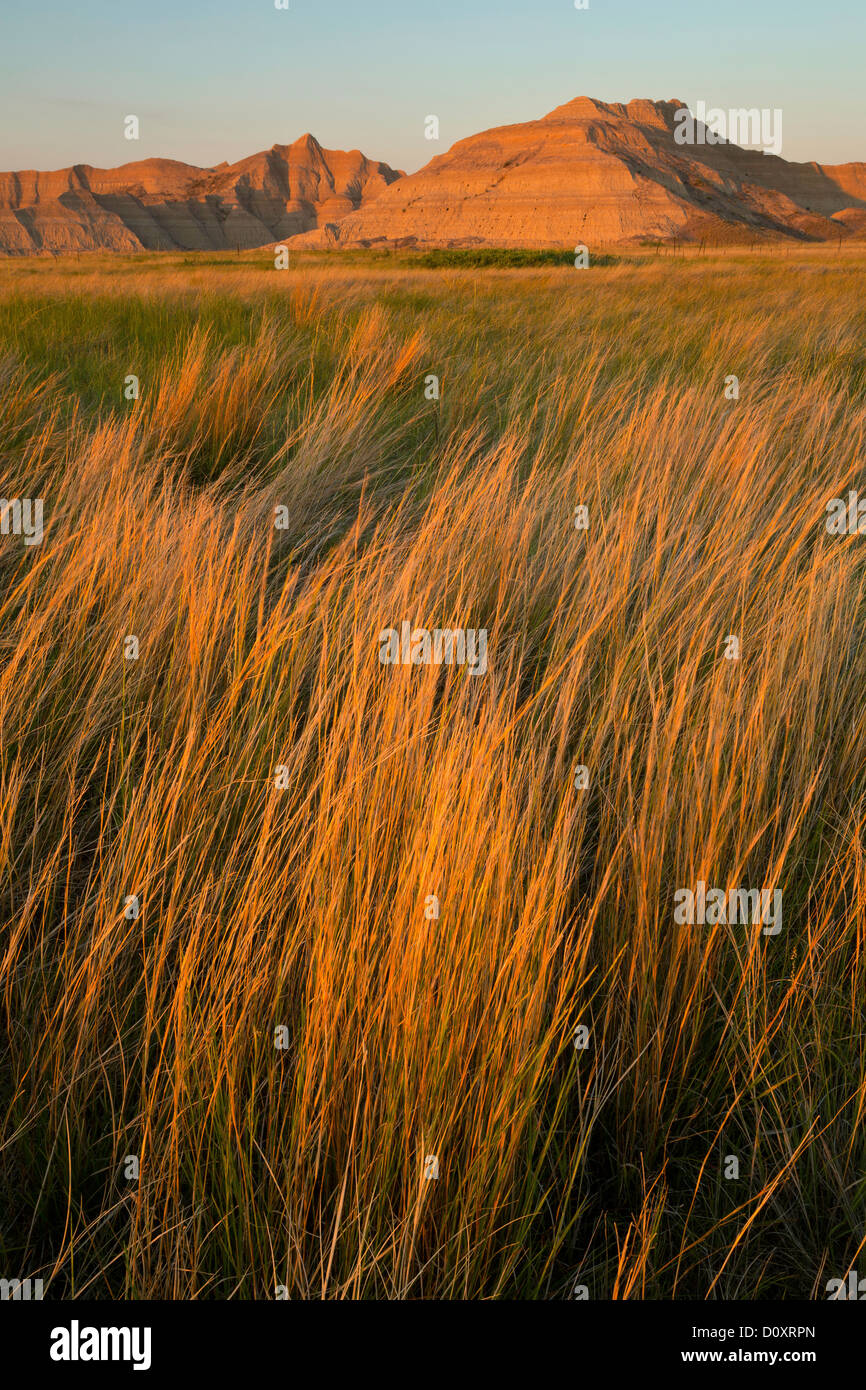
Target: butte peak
{"points": [[641, 111]]}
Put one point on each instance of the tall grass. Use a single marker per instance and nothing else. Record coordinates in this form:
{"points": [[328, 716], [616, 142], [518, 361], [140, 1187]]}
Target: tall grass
{"points": [[304, 908]]}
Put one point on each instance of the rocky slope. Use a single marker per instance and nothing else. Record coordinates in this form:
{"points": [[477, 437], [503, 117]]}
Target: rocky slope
{"points": [[589, 172], [161, 204], [603, 173]]}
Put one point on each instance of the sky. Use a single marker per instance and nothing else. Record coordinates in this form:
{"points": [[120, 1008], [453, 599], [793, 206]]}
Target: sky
{"points": [[214, 80]]}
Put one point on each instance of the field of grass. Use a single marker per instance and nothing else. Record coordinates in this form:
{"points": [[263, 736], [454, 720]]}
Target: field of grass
{"points": [[303, 908]]}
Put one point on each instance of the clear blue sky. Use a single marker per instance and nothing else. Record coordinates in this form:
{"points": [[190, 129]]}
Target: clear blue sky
{"points": [[221, 79]]}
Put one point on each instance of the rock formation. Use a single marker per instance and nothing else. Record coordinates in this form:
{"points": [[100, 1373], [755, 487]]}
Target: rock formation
{"points": [[590, 172], [161, 204], [604, 173]]}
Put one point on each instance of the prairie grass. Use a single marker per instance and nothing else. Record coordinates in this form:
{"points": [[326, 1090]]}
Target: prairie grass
{"points": [[304, 908]]}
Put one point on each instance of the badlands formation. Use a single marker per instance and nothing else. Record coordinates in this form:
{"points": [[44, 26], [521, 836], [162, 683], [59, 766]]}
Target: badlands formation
{"points": [[590, 172], [164, 205], [603, 173]]}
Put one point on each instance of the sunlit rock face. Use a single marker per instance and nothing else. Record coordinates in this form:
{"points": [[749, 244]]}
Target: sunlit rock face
{"points": [[161, 204], [603, 173]]}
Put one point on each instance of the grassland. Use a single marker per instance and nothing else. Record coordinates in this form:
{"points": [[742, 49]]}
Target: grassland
{"points": [[304, 908]]}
